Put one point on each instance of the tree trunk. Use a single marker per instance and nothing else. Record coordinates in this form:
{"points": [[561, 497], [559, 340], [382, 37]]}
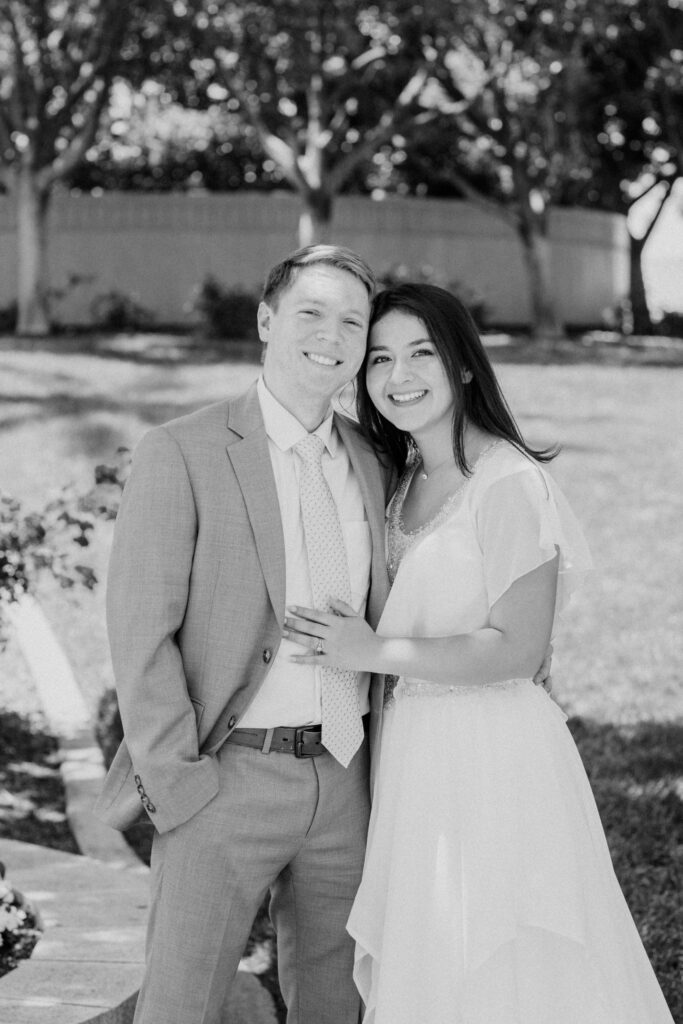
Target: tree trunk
{"points": [[315, 222], [32, 206], [544, 323], [642, 321]]}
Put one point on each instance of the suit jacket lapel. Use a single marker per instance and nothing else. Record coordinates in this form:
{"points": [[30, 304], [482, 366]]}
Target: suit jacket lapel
{"points": [[369, 477], [248, 452]]}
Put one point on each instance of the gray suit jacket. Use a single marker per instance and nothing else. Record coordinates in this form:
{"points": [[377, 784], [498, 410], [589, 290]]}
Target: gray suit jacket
{"points": [[196, 601]]}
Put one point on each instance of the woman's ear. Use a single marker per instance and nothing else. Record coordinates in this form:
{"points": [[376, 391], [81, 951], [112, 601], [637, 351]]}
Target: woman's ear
{"points": [[466, 376]]}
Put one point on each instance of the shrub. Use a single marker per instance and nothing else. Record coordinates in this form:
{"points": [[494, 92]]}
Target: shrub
{"points": [[8, 318], [400, 273], [116, 311], [225, 312], [19, 926], [671, 325], [35, 542]]}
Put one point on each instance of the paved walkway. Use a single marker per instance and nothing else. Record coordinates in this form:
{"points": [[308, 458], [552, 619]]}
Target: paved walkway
{"points": [[88, 963]]}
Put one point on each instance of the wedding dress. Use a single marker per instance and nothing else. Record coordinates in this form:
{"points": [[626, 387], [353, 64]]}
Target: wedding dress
{"points": [[488, 894]]}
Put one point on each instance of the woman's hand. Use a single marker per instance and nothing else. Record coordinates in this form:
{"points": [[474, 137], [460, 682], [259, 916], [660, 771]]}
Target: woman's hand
{"points": [[339, 638]]}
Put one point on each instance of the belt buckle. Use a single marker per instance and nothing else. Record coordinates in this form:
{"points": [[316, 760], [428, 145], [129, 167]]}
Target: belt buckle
{"points": [[300, 741]]}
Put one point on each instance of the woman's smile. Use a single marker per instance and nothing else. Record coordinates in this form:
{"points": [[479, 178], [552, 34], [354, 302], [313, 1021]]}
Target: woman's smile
{"points": [[407, 397]]}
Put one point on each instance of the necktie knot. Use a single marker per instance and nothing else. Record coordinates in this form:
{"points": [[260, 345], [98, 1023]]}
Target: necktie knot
{"points": [[310, 449]]}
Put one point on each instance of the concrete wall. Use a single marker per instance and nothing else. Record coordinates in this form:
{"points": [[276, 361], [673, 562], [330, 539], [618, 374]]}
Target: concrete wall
{"points": [[158, 247]]}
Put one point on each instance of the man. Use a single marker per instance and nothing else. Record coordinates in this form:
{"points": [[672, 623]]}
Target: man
{"points": [[223, 742]]}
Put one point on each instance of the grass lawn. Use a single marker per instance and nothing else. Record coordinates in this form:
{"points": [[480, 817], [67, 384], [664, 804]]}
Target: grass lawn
{"points": [[618, 665]]}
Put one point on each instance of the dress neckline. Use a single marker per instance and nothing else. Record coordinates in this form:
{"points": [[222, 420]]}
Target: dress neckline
{"points": [[399, 539], [402, 489]]}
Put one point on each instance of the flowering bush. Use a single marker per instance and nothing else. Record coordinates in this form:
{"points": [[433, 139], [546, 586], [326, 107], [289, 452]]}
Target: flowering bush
{"points": [[19, 926], [33, 542]]}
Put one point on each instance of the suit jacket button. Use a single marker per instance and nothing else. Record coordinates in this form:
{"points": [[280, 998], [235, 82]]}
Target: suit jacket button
{"points": [[231, 721], [267, 655]]}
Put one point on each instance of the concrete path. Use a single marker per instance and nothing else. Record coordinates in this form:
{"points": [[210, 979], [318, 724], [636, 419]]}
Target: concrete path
{"points": [[82, 766]]}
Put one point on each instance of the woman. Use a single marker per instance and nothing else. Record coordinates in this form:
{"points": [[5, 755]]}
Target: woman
{"points": [[488, 895]]}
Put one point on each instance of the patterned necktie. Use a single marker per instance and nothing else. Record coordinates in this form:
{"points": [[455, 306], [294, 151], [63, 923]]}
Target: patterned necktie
{"points": [[342, 723]]}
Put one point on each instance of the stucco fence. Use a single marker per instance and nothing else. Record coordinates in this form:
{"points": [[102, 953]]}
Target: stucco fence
{"points": [[156, 248]]}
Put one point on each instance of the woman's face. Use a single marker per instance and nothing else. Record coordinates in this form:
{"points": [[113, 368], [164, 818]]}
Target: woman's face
{"points": [[405, 377]]}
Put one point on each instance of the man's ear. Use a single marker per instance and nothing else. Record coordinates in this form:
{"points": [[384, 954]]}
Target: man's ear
{"points": [[263, 319], [466, 376]]}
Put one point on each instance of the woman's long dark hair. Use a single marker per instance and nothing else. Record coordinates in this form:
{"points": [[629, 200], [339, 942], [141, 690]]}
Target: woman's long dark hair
{"points": [[454, 335]]}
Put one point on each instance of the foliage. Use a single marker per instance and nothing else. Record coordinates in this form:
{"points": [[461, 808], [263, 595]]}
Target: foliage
{"points": [[319, 86], [399, 273], [19, 926], [225, 312], [150, 142], [116, 311], [8, 318], [58, 59], [32, 543], [671, 325]]}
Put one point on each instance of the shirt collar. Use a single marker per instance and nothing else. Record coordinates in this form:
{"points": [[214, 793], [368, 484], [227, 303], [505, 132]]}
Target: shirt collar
{"points": [[284, 429]]}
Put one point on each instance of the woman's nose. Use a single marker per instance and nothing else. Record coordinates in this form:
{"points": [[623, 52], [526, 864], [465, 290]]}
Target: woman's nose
{"points": [[400, 372]]}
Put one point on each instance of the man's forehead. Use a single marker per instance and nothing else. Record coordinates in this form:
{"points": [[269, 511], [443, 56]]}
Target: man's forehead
{"points": [[319, 276]]}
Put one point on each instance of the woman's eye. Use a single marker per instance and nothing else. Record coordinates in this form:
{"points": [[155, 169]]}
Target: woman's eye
{"points": [[423, 352], [374, 360]]}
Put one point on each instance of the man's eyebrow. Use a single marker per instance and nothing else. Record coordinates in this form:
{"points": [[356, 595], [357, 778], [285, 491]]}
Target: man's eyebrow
{"points": [[314, 300]]}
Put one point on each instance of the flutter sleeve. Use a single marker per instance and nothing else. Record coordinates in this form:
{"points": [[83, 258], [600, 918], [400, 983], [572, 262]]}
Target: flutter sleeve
{"points": [[523, 520]]}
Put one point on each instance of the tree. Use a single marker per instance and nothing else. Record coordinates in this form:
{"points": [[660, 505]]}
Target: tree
{"points": [[321, 84], [513, 77], [635, 123], [57, 62]]}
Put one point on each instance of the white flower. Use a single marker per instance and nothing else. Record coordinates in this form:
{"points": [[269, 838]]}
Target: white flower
{"points": [[10, 919]]}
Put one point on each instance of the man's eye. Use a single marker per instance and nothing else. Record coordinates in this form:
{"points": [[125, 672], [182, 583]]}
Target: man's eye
{"points": [[310, 312], [354, 323]]}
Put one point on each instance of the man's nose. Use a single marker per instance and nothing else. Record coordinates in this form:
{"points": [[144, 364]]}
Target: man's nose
{"points": [[329, 331]]}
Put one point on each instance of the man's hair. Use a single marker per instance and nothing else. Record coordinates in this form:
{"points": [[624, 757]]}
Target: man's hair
{"points": [[283, 274]]}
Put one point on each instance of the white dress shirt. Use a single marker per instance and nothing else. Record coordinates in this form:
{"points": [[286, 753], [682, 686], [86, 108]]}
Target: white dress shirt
{"points": [[290, 693]]}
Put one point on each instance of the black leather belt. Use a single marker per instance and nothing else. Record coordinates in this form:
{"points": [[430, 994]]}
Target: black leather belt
{"points": [[302, 741], [305, 741]]}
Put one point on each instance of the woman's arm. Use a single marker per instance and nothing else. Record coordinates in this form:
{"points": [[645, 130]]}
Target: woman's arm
{"points": [[511, 647]]}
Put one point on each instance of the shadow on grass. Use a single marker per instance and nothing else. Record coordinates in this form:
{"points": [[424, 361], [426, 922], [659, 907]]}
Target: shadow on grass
{"points": [[32, 807], [144, 348], [637, 777]]}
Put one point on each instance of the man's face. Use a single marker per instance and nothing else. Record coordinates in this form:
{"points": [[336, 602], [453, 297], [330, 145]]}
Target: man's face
{"points": [[315, 335]]}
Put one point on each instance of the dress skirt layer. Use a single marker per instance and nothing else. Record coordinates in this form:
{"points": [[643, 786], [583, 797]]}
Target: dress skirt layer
{"points": [[488, 895]]}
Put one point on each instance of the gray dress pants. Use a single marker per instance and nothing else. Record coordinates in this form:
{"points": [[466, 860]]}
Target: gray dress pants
{"points": [[294, 826]]}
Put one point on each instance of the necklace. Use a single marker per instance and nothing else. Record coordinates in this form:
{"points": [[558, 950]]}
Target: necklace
{"points": [[424, 475]]}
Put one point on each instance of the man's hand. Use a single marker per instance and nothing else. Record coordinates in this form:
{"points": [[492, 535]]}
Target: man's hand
{"points": [[543, 677]]}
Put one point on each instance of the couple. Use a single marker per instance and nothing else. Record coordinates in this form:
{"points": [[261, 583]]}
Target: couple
{"points": [[261, 646]]}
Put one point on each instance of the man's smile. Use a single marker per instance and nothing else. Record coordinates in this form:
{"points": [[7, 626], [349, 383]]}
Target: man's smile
{"points": [[321, 360]]}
